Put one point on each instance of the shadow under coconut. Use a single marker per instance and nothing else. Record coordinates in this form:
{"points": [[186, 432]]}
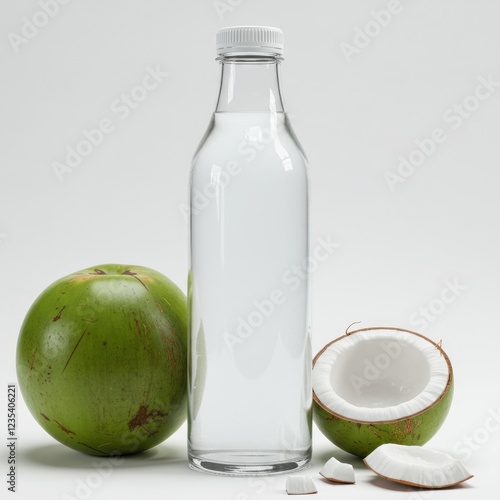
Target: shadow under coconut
{"points": [[321, 479], [385, 484], [341, 456], [57, 456]]}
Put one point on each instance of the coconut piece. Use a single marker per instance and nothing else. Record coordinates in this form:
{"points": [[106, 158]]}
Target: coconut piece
{"points": [[300, 485], [416, 466], [338, 472]]}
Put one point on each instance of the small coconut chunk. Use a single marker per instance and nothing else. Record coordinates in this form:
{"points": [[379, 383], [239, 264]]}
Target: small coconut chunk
{"points": [[416, 466], [300, 485], [338, 472]]}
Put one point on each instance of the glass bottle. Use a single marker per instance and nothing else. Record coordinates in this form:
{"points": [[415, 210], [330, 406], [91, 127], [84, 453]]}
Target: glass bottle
{"points": [[250, 397]]}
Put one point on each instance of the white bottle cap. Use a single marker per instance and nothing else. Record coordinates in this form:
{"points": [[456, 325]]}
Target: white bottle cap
{"points": [[249, 40]]}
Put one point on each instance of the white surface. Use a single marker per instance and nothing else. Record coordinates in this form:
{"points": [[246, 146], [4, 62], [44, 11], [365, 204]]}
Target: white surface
{"points": [[432, 244]]}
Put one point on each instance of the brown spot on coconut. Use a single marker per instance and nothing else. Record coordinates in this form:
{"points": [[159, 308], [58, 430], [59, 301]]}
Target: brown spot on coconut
{"points": [[64, 429]]}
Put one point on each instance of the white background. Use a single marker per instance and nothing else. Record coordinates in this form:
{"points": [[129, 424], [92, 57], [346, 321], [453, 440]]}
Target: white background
{"points": [[355, 117]]}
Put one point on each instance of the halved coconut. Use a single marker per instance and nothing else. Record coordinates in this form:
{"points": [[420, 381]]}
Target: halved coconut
{"points": [[416, 466], [381, 385], [338, 472]]}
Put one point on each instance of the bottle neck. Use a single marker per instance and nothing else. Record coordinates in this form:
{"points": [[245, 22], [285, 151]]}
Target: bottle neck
{"points": [[249, 84]]}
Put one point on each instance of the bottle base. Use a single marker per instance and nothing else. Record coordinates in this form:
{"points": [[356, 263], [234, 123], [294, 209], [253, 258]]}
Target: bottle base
{"points": [[248, 463]]}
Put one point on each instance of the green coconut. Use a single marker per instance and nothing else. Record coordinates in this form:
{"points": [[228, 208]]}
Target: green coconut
{"points": [[381, 385], [102, 359]]}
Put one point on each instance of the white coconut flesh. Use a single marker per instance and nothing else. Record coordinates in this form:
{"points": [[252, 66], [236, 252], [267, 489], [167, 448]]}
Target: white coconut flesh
{"points": [[380, 375], [416, 466], [300, 485]]}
